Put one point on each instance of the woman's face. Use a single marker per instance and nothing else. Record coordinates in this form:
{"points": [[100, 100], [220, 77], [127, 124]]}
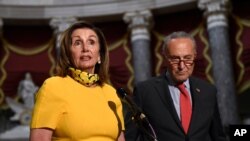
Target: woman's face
{"points": [[85, 49]]}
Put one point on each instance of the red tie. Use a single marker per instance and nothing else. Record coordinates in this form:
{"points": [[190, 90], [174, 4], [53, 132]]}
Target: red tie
{"points": [[185, 107]]}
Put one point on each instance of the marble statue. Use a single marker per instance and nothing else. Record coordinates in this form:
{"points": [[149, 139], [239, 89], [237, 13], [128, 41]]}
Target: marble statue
{"points": [[22, 110]]}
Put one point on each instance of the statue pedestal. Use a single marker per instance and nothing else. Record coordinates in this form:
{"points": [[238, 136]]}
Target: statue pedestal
{"points": [[20, 133], [16, 140]]}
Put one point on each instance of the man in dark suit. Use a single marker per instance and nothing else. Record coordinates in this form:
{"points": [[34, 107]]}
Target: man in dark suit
{"points": [[189, 113]]}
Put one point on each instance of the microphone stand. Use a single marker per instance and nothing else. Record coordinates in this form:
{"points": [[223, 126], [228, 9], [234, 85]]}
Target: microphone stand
{"points": [[143, 124], [137, 115]]}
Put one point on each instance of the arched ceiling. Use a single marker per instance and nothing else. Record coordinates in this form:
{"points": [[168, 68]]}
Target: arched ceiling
{"points": [[46, 9]]}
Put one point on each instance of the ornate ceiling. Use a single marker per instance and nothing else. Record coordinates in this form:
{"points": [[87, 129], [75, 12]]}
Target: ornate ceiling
{"points": [[21, 10]]}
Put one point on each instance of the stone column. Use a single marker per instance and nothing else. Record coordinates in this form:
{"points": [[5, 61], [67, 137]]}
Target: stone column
{"points": [[217, 27], [139, 25], [60, 24]]}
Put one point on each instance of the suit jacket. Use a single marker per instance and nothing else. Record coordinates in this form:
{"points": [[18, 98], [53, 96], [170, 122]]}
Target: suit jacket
{"points": [[153, 97]]}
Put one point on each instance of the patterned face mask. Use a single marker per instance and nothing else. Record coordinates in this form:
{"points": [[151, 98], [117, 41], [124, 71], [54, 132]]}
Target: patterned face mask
{"points": [[82, 77]]}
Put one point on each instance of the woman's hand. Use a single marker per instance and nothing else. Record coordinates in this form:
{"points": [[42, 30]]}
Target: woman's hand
{"points": [[121, 137]]}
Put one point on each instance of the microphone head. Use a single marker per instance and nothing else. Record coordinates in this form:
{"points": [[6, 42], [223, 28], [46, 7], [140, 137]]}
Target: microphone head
{"points": [[121, 92]]}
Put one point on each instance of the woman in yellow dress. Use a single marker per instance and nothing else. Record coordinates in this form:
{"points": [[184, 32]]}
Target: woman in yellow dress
{"points": [[78, 104]]}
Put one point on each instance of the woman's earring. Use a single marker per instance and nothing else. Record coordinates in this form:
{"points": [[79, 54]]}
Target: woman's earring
{"points": [[99, 62]]}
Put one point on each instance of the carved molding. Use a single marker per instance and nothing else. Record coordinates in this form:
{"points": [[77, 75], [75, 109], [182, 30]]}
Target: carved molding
{"points": [[139, 23], [46, 9], [215, 12], [59, 25]]}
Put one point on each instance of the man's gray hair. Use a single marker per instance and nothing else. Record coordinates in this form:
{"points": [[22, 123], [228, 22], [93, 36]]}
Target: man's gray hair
{"points": [[174, 35]]}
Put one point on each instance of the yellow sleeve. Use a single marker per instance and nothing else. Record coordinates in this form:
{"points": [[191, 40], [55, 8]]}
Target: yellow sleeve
{"points": [[48, 106]]}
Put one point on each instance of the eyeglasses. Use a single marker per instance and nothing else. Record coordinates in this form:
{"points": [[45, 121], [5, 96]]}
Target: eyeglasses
{"points": [[177, 61]]}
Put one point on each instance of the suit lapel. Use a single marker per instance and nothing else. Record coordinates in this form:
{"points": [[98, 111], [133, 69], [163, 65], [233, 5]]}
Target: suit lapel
{"points": [[195, 92], [164, 93]]}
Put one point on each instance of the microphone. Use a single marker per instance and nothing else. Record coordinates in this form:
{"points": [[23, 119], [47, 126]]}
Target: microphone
{"points": [[137, 112], [138, 115]]}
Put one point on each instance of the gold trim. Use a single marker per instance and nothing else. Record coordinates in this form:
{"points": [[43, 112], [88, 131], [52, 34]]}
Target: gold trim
{"points": [[128, 64], [244, 87], [245, 22], [195, 31], [29, 51], [160, 39], [240, 51], [9, 47], [123, 42], [114, 46], [117, 44], [241, 23], [238, 60], [4, 74], [206, 55], [200, 31]]}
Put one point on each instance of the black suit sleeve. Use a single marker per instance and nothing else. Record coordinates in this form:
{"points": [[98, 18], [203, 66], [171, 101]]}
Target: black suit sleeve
{"points": [[131, 132], [136, 130]]}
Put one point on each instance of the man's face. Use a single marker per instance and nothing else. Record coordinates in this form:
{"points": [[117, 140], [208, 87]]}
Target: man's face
{"points": [[180, 56]]}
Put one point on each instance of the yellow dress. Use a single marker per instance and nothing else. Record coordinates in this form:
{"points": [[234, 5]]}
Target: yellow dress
{"points": [[76, 112]]}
